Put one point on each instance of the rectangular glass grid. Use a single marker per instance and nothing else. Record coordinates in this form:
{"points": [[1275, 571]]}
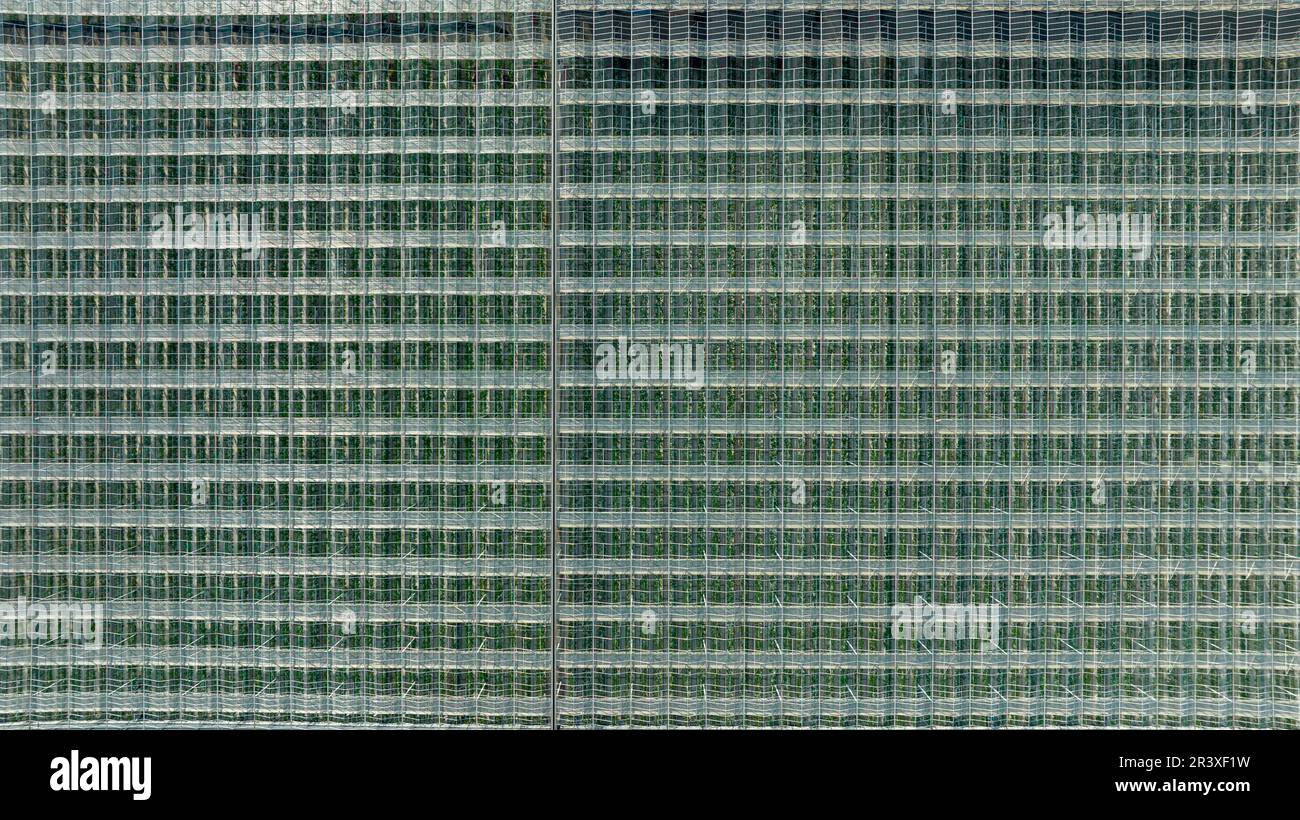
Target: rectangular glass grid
{"points": [[596, 364]]}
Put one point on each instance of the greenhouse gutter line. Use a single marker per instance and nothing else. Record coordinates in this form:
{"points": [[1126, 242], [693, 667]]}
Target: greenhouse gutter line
{"points": [[555, 349]]}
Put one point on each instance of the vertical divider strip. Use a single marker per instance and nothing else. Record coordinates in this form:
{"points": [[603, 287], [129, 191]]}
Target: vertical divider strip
{"points": [[554, 357]]}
